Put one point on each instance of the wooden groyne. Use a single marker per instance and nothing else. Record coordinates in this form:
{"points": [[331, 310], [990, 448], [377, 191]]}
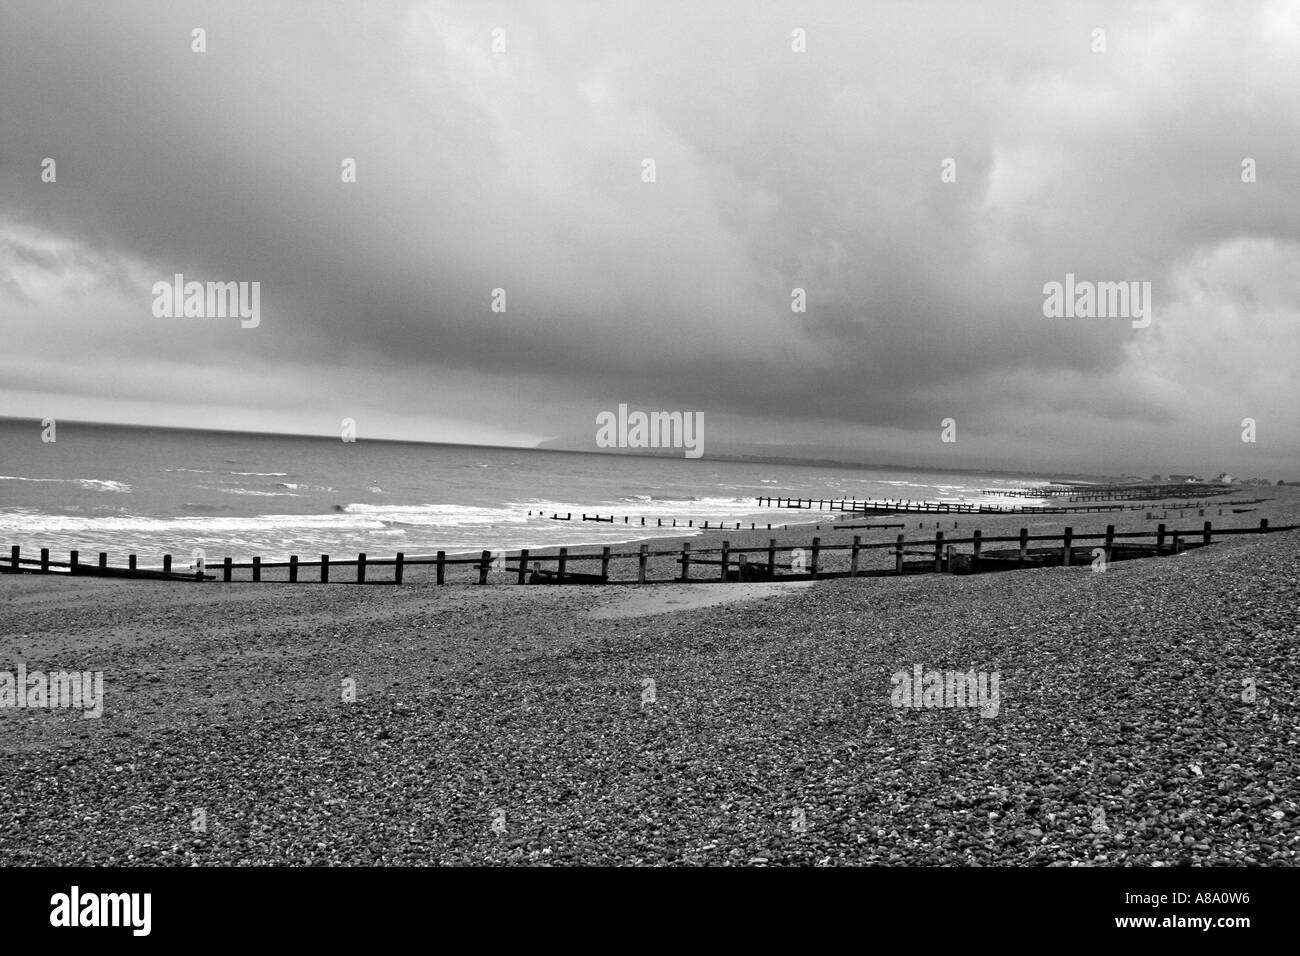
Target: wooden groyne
{"points": [[642, 521], [907, 506], [772, 562], [1145, 492]]}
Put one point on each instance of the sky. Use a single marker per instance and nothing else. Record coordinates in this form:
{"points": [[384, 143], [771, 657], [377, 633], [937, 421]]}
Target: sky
{"points": [[921, 171]]}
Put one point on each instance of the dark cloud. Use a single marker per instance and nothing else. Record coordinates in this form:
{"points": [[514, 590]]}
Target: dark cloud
{"points": [[775, 170]]}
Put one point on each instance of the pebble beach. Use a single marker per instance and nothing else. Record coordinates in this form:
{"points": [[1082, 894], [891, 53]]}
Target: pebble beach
{"points": [[1147, 716]]}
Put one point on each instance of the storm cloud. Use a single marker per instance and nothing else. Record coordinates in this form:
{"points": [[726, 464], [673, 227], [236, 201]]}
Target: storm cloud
{"points": [[521, 168]]}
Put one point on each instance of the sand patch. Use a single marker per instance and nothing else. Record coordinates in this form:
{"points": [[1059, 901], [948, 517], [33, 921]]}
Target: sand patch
{"points": [[666, 598]]}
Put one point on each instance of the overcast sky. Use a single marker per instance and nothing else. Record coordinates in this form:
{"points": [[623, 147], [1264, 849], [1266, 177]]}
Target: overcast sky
{"points": [[775, 170]]}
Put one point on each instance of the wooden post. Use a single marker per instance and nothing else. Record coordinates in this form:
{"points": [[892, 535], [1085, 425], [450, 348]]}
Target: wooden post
{"points": [[951, 549], [1263, 529], [361, 568], [442, 567], [726, 550], [771, 554], [484, 563], [103, 560], [853, 556], [938, 551], [1178, 544], [1160, 537], [641, 559], [978, 546], [324, 569], [15, 557], [564, 560], [523, 566], [398, 566], [686, 561], [225, 570], [1110, 543], [898, 555], [604, 565], [45, 560], [293, 569], [1024, 546], [1065, 548], [257, 569], [167, 564], [72, 562], [1205, 534], [816, 550]]}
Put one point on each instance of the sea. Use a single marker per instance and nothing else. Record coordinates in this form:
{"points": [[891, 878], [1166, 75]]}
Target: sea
{"points": [[153, 491]]}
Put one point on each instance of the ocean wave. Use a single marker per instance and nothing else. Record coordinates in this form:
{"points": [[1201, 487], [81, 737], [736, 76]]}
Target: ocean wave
{"points": [[258, 494], [435, 515], [95, 484], [260, 474], [25, 521]]}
